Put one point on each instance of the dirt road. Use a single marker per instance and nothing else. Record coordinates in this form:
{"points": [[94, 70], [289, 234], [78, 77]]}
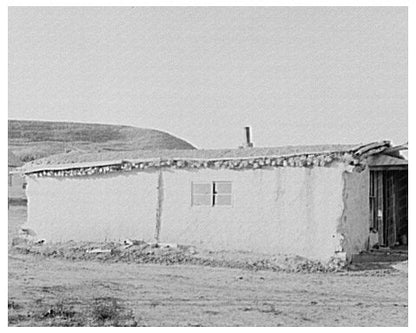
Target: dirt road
{"points": [[45, 291]]}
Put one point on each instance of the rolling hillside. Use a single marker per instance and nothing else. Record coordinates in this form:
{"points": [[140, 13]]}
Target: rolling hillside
{"points": [[30, 140]]}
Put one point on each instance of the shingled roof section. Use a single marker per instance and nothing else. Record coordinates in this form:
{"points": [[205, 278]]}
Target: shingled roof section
{"points": [[225, 158]]}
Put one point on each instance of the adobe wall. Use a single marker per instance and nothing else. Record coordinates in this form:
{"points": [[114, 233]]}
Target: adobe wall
{"points": [[282, 210], [289, 210], [355, 222], [107, 207], [16, 190]]}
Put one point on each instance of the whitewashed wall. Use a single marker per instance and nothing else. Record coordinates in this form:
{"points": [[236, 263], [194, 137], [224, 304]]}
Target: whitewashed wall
{"points": [[355, 222], [108, 207], [16, 189], [283, 210]]}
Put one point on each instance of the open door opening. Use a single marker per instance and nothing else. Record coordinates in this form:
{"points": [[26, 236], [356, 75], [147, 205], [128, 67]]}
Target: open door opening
{"points": [[389, 206]]}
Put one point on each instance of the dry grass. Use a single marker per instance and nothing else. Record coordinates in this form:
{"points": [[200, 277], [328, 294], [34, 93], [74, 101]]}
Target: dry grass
{"points": [[102, 311], [30, 140], [107, 311]]}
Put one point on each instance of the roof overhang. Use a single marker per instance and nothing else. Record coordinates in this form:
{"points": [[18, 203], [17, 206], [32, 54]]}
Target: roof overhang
{"points": [[386, 162]]}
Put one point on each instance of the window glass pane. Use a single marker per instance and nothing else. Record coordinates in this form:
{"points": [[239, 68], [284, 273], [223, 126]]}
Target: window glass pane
{"points": [[201, 200], [223, 187], [201, 188], [223, 200]]}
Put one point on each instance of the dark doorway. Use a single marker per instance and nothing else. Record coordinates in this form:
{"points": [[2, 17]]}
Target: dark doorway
{"points": [[388, 205]]}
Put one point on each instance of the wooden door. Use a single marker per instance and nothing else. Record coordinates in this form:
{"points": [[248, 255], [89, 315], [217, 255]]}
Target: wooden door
{"points": [[389, 228], [379, 206]]}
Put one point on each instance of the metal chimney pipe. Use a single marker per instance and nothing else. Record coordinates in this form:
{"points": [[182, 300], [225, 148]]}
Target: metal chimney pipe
{"points": [[249, 144]]}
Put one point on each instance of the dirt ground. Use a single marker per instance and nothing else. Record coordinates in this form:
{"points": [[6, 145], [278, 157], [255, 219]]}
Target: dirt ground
{"points": [[47, 291]]}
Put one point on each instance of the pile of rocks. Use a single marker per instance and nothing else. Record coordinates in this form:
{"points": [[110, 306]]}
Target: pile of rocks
{"points": [[302, 160]]}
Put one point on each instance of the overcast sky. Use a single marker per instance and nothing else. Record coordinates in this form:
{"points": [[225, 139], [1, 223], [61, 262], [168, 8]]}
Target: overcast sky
{"points": [[297, 75]]}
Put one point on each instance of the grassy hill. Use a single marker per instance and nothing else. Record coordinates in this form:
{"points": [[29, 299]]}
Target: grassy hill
{"points": [[30, 140]]}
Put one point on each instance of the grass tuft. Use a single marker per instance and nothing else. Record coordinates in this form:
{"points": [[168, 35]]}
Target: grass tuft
{"points": [[108, 312]]}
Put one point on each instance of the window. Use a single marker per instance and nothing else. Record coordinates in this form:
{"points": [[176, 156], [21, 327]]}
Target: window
{"points": [[211, 194], [201, 194], [221, 193]]}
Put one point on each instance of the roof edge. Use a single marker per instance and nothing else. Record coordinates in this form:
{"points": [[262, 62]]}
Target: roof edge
{"points": [[357, 152]]}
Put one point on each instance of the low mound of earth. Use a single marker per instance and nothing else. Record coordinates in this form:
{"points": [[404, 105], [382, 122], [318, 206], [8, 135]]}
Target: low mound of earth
{"points": [[31, 140], [140, 252]]}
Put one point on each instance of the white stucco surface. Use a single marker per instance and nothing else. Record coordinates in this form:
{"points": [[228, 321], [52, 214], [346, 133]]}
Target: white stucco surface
{"points": [[15, 188], [300, 211], [355, 222], [109, 207], [283, 210]]}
